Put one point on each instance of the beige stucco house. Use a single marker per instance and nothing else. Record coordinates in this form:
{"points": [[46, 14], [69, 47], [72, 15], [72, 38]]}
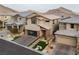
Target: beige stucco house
{"points": [[3, 18], [15, 24], [68, 32], [5, 14], [38, 24], [12, 22]]}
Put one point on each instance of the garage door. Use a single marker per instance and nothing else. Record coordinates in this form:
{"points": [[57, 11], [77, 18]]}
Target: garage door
{"points": [[66, 40], [32, 33]]}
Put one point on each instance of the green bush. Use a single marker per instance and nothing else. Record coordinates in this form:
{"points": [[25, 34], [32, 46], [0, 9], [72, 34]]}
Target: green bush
{"points": [[16, 38], [42, 44]]}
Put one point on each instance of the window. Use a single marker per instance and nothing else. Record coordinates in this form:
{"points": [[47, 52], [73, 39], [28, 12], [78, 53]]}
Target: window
{"points": [[53, 21], [47, 21], [26, 21], [33, 20], [19, 18], [72, 25]]}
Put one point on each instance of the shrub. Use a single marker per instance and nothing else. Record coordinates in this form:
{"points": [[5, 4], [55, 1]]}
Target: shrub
{"points": [[42, 44], [16, 38]]}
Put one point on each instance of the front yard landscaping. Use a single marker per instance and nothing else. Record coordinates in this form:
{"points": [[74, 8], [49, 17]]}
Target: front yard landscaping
{"points": [[16, 37], [40, 45]]}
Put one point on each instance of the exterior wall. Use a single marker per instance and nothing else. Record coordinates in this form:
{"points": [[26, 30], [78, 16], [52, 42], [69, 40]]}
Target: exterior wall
{"points": [[66, 40], [52, 27], [38, 33], [43, 22], [3, 18], [78, 27], [62, 26], [30, 26], [28, 21], [48, 34], [49, 24], [20, 20], [78, 46], [68, 26], [56, 21]]}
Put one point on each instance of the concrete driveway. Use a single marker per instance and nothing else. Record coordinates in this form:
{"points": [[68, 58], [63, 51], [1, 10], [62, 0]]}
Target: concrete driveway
{"points": [[25, 40], [62, 49]]}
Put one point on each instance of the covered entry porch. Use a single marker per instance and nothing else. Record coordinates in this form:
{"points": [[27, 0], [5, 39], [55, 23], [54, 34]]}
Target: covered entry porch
{"points": [[15, 28]]}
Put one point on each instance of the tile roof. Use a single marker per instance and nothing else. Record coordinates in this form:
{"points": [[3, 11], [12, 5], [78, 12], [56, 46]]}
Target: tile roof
{"points": [[28, 13], [50, 16], [71, 33], [74, 20]]}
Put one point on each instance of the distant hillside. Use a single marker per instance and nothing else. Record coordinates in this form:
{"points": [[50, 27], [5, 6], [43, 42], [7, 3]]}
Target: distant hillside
{"points": [[61, 11], [4, 9]]}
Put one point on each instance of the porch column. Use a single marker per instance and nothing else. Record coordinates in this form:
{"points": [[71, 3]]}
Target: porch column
{"points": [[12, 26], [6, 27], [21, 28], [18, 27]]}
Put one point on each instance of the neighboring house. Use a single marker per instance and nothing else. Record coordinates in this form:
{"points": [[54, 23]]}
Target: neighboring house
{"points": [[68, 32], [39, 24], [15, 24], [4, 14]]}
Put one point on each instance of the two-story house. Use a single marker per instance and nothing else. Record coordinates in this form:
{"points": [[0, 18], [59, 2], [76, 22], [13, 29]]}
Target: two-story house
{"points": [[38, 24], [15, 23], [68, 32], [4, 14]]}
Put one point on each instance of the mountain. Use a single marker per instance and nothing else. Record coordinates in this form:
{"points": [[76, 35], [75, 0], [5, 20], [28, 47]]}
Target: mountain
{"points": [[61, 11], [4, 9]]}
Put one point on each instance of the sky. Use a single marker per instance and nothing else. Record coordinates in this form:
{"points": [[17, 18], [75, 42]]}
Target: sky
{"points": [[42, 7]]}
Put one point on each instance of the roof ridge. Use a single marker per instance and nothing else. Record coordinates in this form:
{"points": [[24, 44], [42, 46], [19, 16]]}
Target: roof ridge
{"points": [[8, 8]]}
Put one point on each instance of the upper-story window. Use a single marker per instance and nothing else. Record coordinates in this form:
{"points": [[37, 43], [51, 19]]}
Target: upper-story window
{"points": [[53, 21], [26, 21], [19, 18], [72, 25], [47, 21], [34, 20]]}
